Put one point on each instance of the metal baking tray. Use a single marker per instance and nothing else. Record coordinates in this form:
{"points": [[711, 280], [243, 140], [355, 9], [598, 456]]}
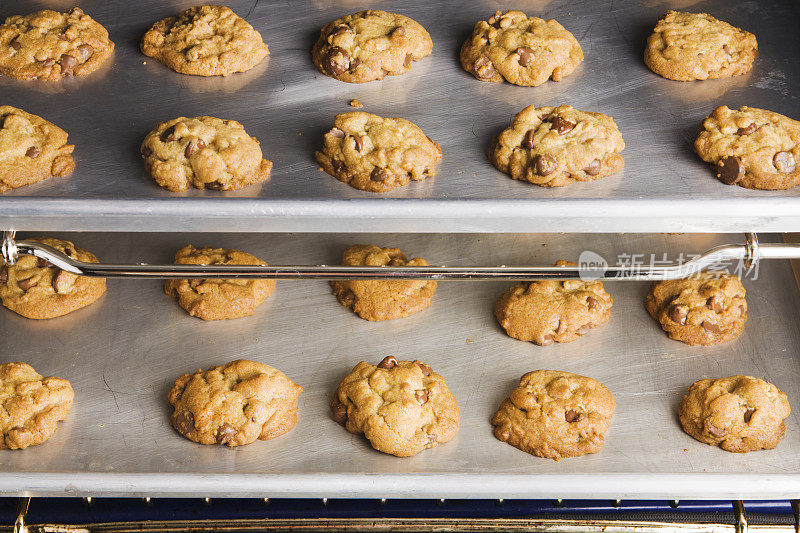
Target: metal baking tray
{"points": [[122, 354], [288, 105]]}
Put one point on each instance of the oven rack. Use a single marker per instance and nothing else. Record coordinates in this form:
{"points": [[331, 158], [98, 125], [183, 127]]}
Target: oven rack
{"points": [[749, 254], [615, 516]]}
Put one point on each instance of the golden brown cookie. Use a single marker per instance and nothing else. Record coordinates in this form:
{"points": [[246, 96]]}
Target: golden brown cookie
{"points": [[555, 414], [696, 46], [546, 311], [519, 49], [234, 404], [401, 407], [36, 289], [377, 154], [739, 414], [556, 146], [379, 299], [753, 148], [218, 299], [48, 45], [31, 149], [370, 45], [32, 405], [208, 40], [707, 309], [203, 152]]}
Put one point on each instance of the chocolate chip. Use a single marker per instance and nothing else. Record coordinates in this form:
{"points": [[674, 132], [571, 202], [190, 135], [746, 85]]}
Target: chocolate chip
{"points": [[64, 281], [214, 185], [524, 54], [340, 29], [593, 168], [225, 433], [749, 414], [194, 146], [544, 164], [338, 166], [407, 61], [336, 61], [395, 262], [583, 330], [730, 169], [86, 51], [78, 12], [714, 430], [426, 369], [339, 411], [336, 132], [712, 328], [63, 36], [561, 125], [43, 263], [398, 32], [349, 298], [388, 362], [421, 396], [14, 43], [378, 174], [194, 283], [591, 303], [358, 142], [184, 422], [169, 134], [527, 142], [547, 340], [748, 130], [727, 49], [26, 284], [784, 162], [484, 68], [3, 275], [572, 416], [146, 151], [716, 303], [68, 64], [33, 152], [678, 313]]}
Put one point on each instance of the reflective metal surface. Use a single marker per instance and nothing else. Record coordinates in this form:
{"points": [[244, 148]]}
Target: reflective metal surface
{"points": [[288, 105], [122, 354]]}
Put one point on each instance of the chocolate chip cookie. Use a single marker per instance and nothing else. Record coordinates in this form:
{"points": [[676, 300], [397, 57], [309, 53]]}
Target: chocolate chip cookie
{"points": [[556, 146], [550, 311], [48, 45], [31, 149], [706, 309], [204, 152], [696, 46], [554, 414], [382, 300], [401, 407], [377, 154], [739, 414], [36, 289], [32, 405], [519, 49], [234, 404], [218, 299], [206, 40], [370, 45], [753, 148]]}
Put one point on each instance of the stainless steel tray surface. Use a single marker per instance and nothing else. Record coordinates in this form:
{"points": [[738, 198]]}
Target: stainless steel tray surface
{"points": [[288, 105], [122, 354]]}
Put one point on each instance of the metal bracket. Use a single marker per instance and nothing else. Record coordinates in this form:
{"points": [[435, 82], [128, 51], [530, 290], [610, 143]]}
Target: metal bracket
{"points": [[740, 517], [750, 253], [22, 511]]}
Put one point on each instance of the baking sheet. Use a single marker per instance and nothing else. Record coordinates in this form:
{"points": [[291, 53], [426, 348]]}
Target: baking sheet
{"points": [[122, 354], [288, 105]]}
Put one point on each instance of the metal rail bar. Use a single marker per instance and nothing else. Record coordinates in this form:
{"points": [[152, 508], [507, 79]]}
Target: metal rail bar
{"points": [[750, 254]]}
